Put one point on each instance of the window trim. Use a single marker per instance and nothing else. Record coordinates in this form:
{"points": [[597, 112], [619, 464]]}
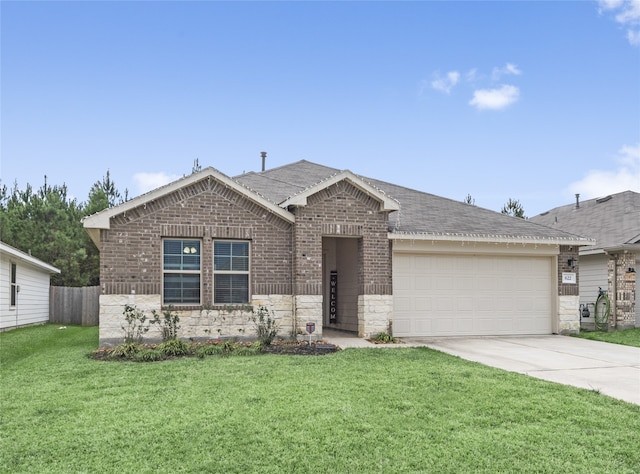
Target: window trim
{"points": [[231, 272], [13, 285], [181, 272]]}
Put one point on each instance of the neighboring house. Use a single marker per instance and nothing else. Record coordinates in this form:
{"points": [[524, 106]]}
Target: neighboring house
{"points": [[24, 288], [317, 244], [611, 264]]}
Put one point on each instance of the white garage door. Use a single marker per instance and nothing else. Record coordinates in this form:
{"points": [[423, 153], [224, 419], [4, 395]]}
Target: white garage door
{"points": [[471, 295]]}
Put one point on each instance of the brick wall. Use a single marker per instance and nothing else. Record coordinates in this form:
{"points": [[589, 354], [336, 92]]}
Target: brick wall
{"points": [[131, 252], [566, 253], [622, 290], [342, 210]]}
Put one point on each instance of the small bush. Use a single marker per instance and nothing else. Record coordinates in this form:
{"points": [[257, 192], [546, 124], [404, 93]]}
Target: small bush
{"points": [[149, 355], [168, 323], [208, 350], [228, 347], [251, 350], [135, 326], [265, 326], [174, 348], [385, 338], [125, 351]]}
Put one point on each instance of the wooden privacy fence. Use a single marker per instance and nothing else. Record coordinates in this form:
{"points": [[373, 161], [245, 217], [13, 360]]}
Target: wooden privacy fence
{"points": [[69, 305]]}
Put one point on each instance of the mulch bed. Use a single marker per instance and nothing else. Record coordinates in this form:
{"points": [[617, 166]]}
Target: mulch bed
{"points": [[279, 346], [300, 348]]}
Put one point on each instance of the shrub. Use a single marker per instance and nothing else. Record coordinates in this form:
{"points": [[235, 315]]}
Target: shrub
{"points": [[148, 355], [265, 326], [228, 347], [385, 338], [174, 348], [168, 323], [127, 350], [135, 326], [208, 350], [253, 349]]}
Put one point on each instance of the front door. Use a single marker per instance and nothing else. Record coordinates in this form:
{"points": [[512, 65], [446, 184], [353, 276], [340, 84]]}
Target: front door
{"points": [[340, 264]]}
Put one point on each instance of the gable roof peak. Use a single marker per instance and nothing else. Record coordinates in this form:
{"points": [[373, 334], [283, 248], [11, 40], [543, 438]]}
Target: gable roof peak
{"points": [[102, 219], [387, 203]]}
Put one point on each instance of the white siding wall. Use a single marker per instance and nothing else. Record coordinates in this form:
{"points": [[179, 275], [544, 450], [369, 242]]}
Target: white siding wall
{"points": [[593, 274], [32, 302]]}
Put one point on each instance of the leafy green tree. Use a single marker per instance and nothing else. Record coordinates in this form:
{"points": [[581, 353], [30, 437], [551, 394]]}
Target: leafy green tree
{"points": [[102, 195], [46, 223], [513, 208], [469, 200]]}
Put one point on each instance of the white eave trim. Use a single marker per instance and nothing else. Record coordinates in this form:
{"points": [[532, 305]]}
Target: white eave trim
{"points": [[386, 203], [502, 239], [102, 219], [25, 257]]}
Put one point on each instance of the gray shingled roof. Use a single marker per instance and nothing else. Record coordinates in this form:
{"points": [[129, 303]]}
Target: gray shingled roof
{"points": [[420, 213], [612, 220]]}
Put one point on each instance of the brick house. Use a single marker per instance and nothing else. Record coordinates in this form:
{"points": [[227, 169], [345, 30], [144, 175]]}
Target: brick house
{"points": [[317, 244], [614, 223]]}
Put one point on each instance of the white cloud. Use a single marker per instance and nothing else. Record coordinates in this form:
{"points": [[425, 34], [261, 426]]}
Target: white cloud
{"points": [[626, 177], [495, 99], [506, 70], [472, 75], [445, 84], [627, 13], [633, 37], [149, 181]]}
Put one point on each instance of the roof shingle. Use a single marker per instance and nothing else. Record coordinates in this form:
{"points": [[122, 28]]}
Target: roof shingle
{"points": [[420, 212]]}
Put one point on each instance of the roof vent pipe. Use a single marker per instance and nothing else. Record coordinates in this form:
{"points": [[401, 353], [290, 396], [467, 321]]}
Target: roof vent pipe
{"points": [[577, 199], [263, 154]]}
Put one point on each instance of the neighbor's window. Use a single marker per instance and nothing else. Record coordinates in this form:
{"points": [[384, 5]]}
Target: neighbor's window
{"points": [[230, 272], [181, 271], [14, 286]]}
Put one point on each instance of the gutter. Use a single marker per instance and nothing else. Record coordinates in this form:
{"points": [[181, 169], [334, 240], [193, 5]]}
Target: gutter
{"points": [[506, 239]]}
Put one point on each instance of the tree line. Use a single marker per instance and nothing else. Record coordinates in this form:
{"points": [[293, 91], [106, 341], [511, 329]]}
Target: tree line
{"points": [[47, 223]]}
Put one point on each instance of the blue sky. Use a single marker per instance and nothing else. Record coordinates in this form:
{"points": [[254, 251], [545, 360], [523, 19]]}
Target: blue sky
{"points": [[533, 101]]}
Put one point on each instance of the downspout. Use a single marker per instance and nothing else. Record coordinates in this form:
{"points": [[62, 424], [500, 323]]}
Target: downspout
{"points": [[613, 296], [294, 309]]}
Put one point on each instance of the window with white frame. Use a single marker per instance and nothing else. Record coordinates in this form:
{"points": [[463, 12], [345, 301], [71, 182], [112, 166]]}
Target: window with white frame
{"points": [[230, 272], [181, 271], [14, 286]]}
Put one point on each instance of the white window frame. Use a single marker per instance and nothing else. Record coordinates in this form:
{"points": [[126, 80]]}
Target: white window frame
{"points": [[232, 272], [13, 286]]}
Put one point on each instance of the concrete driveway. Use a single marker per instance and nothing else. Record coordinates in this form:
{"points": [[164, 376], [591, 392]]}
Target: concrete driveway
{"points": [[612, 369]]}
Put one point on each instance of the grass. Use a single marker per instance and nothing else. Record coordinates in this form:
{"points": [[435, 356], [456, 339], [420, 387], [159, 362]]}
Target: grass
{"points": [[627, 337], [357, 410]]}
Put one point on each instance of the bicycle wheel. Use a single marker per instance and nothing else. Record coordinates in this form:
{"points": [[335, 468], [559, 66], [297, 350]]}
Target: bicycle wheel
{"points": [[601, 312]]}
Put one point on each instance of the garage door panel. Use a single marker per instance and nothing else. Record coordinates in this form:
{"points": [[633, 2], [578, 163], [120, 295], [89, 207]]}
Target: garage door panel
{"points": [[402, 326], [464, 303], [471, 295], [423, 283]]}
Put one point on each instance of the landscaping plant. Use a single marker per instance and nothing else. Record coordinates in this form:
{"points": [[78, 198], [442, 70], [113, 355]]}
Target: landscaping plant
{"points": [[168, 323], [265, 325], [136, 324]]}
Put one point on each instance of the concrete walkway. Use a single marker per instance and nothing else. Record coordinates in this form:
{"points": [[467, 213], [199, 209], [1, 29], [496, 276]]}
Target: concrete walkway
{"points": [[612, 369]]}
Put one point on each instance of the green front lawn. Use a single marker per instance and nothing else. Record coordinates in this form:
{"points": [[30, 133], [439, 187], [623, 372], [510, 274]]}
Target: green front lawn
{"points": [[358, 410], [628, 337]]}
